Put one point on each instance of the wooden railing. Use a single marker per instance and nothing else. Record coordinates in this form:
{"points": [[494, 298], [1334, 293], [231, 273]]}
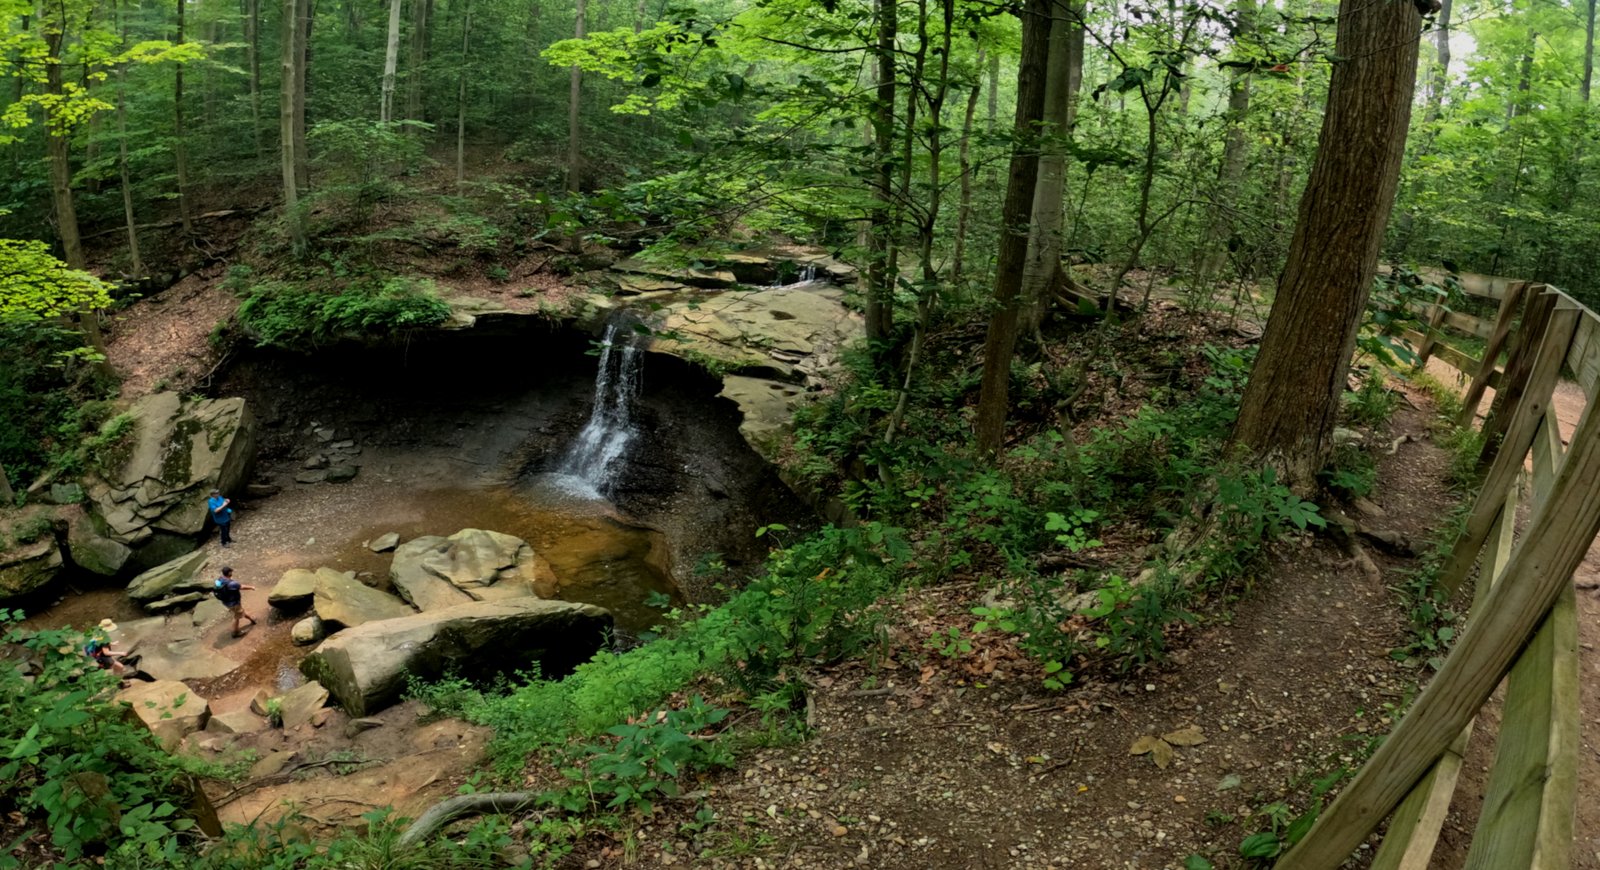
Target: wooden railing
{"points": [[1522, 627]]}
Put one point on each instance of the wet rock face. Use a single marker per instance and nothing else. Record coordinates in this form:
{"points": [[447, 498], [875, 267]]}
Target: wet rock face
{"points": [[157, 479], [365, 668]]}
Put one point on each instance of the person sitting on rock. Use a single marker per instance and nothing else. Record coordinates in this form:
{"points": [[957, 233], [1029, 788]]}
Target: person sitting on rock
{"points": [[98, 649], [221, 514], [227, 591]]}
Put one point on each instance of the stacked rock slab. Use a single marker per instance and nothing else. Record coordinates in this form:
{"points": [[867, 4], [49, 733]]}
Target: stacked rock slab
{"points": [[158, 478], [365, 668], [179, 576]]}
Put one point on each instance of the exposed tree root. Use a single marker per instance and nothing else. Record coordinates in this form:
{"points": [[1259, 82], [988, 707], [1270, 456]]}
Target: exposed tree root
{"points": [[450, 809]]}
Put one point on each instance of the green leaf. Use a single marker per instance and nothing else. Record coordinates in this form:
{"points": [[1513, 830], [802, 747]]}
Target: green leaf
{"points": [[1262, 845]]}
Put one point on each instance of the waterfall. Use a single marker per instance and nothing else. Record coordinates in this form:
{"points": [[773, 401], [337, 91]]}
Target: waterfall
{"points": [[609, 430]]}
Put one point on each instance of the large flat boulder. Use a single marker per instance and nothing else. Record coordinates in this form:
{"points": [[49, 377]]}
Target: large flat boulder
{"points": [[29, 567], [170, 709], [179, 576], [342, 601], [435, 573], [158, 476], [295, 589], [189, 658], [366, 667]]}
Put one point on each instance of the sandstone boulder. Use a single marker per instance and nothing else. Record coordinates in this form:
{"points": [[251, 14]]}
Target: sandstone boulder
{"points": [[300, 704], [158, 477], [384, 543], [343, 602], [170, 709], [471, 565], [188, 658], [237, 722], [366, 667], [92, 551], [181, 575], [307, 631], [295, 589], [29, 567]]}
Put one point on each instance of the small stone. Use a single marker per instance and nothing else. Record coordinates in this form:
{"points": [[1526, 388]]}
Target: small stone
{"points": [[324, 435], [839, 830], [384, 543], [320, 718], [342, 473], [261, 490], [357, 726], [307, 631], [258, 704], [271, 763], [316, 461], [311, 477], [341, 445]]}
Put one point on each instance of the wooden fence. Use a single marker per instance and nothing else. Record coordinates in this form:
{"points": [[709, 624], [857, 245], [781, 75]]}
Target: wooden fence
{"points": [[1522, 627]]}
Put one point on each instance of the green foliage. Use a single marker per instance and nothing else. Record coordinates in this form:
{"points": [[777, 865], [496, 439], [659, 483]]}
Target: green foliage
{"points": [[645, 761], [31, 529], [34, 285], [300, 317], [816, 602], [74, 764], [1373, 404]]}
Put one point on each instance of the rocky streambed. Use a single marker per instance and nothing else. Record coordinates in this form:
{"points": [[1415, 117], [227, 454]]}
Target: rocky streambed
{"points": [[402, 512]]}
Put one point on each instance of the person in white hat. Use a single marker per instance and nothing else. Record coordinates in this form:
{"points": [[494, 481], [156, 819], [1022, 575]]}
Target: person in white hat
{"points": [[99, 651]]}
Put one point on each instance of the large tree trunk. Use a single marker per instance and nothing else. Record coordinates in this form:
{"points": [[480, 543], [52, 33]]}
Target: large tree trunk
{"points": [[391, 64], [1063, 74], [580, 30], [302, 165], [58, 146], [1001, 340], [180, 151], [7, 496], [1292, 401], [1441, 68], [286, 139], [461, 96], [964, 161], [1235, 148], [252, 25], [881, 236]]}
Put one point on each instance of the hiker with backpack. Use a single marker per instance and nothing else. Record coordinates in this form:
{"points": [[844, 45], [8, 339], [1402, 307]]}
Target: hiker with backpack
{"points": [[227, 590], [221, 508]]}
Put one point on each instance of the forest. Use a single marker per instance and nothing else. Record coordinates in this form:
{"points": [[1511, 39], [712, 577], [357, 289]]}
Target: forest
{"points": [[968, 390]]}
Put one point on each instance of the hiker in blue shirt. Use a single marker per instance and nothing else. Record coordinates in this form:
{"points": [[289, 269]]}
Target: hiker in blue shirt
{"points": [[227, 591], [221, 514]]}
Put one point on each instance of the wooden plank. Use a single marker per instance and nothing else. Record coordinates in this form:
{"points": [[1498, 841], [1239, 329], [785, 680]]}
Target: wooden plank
{"points": [[1438, 315], [1528, 806], [1525, 416], [1447, 352], [1426, 350], [1536, 323], [1539, 573], [1584, 358], [1491, 353], [1472, 284], [1414, 830]]}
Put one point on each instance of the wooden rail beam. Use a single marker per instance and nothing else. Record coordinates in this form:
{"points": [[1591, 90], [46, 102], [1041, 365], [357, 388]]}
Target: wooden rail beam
{"points": [[1519, 365], [1524, 416], [1491, 351], [1539, 573]]}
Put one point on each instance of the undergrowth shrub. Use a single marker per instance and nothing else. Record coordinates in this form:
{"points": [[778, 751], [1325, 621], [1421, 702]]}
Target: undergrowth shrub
{"points": [[296, 316], [72, 763]]}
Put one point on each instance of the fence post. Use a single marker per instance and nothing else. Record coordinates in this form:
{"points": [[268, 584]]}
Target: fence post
{"points": [[1535, 319]]}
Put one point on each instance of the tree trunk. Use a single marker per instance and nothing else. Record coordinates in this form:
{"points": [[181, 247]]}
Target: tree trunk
{"points": [[1441, 69], [638, 17], [1001, 340], [964, 160], [302, 165], [286, 138], [58, 145], [180, 151], [1290, 406], [7, 496], [1235, 149], [252, 24], [880, 283], [580, 30], [1588, 53], [461, 96], [414, 63], [1044, 239], [135, 260], [391, 64]]}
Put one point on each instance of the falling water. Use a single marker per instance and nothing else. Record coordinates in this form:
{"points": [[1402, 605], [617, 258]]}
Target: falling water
{"points": [[588, 462]]}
